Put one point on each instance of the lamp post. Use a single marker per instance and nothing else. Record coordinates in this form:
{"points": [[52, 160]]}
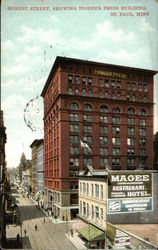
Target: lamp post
{"points": [[21, 232]]}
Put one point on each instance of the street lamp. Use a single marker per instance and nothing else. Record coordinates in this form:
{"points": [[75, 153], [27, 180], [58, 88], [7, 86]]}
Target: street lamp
{"points": [[21, 231]]}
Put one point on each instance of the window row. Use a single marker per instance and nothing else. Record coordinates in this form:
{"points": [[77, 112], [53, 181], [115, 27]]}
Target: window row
{"points": [[77, 80], [91, 210], [104, 109], [93, 190]]}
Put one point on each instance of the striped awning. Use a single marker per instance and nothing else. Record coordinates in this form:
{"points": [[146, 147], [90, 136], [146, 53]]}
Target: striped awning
{"points": [[91, 233]]}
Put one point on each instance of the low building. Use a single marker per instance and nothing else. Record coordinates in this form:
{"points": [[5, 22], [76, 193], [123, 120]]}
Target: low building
{"points": [[40, 165], [34, 148], [93, 192]]}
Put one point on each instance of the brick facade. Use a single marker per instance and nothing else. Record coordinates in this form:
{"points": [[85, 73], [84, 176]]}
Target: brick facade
{"points": [[108, 106]]}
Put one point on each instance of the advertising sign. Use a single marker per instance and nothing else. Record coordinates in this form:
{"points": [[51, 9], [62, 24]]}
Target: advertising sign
{"points": [[129, 192], [129, 205]]}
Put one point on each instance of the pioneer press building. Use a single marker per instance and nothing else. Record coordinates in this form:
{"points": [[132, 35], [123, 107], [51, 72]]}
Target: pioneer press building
{"points": [[109, 107]]}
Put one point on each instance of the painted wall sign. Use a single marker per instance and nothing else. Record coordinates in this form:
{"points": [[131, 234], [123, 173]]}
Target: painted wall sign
{"points": [[129, 185], [129, 205], [129, 192]]}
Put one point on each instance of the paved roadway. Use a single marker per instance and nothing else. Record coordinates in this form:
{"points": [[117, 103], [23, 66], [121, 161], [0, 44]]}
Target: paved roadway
{"points": [[48, 235]]}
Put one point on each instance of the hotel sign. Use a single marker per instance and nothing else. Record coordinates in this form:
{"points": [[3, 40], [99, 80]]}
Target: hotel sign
{"points": [[110, 74], [129, 192]]}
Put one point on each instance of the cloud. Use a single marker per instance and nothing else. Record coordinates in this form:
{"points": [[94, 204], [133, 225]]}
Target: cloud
{"points": [[13, 70], [8, 44], [30, 35], [146, 26]]}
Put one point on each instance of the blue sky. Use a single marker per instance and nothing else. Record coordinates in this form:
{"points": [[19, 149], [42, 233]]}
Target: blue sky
{"points": [[31, 40]]}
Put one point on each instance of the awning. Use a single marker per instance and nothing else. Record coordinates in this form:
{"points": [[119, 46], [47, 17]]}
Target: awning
{"points": [[91, 233]]}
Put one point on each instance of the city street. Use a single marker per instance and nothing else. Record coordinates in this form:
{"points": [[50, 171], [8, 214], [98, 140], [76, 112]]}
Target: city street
{"points": [[47, 235]]}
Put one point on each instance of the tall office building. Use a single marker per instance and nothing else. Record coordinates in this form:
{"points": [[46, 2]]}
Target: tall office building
{"points": [[109, 107]]}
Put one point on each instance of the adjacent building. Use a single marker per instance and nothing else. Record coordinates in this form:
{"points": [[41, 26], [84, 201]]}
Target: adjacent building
{"points": [[109, 107], [40, 165], [3, 181], [93, 194], [156, 151]]}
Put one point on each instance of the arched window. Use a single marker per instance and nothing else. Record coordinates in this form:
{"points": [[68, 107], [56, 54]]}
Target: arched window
{"points": [[131, 111], [104, 109], [87, 107], [143, 112], [74, 106], [116, 110]]}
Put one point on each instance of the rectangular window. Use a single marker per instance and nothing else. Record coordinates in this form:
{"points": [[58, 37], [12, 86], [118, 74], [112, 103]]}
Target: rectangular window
{"points": [[74, 128], [84, 80], [142, 122], [87, 129], [97, 212], [130, 121], [133, 86], [92, 212], [115, 151], [106, 83], [142, 142], [77, 79], [87, 209], [128, 86], [87, 118], [131, 131], [103, 140], [142, 132], [87, 161], [130, 141], [92, 187], [74, 162], [101, 192], [96, 191], [145, 87], [84, 208], [90, 81], [131, 162], [101, 214], [115, 141], [101, 83], [103, 162], [130, 151], [118, 84], [116, 120], [74, 150], [74, 139], [103, 119], [113, 84], [70, 78], [116, 130], [103, 130], [142, 152], [103, 151], [140, 87], [80, 207], [115, 162], [74, 117]]}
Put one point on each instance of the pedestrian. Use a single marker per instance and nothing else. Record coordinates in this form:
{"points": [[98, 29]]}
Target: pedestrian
{"points": [[44, 220], [18, 238], [25, 232], [35, 227]]}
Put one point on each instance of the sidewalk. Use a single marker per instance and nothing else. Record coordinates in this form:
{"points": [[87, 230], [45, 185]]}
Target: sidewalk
{"points": [[76, 241], [55, 221]]}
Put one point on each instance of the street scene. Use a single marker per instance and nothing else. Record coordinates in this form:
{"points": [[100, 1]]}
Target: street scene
{"points": [[47, 235]]}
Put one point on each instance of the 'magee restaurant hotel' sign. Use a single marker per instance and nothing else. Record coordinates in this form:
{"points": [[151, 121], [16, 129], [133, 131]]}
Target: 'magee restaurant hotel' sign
{"points": [[129, 192]]}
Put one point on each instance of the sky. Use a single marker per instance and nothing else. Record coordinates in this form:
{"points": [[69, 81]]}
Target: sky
{"points": [[32, 38]]}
